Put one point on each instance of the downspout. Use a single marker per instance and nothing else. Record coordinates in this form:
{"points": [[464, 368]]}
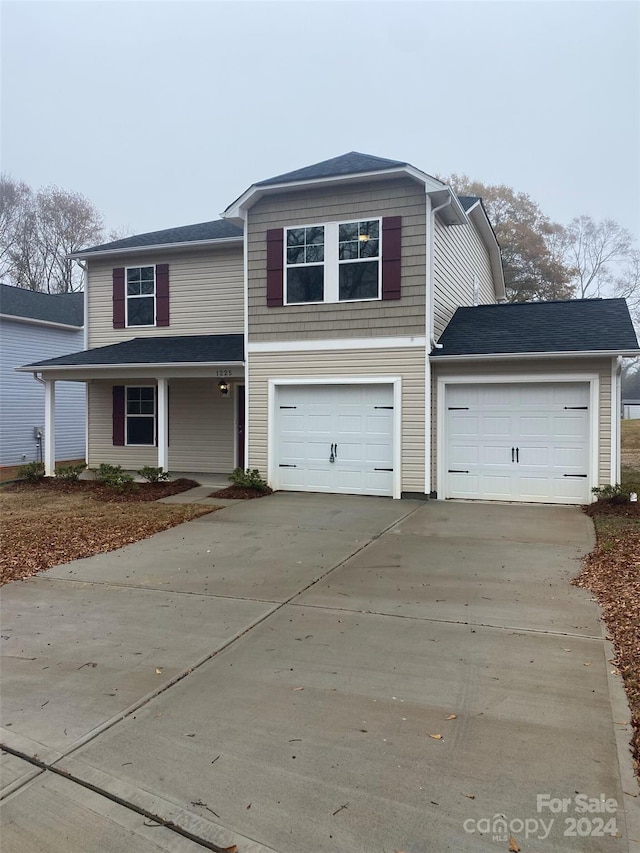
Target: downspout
{"points": [[616, 404], [85, 340], [429, 340]]}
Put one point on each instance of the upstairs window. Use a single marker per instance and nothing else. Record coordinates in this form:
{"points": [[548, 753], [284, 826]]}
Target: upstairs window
{"points": [[140, 415], [359, 260], [305, 264], [334, 262], [141, 296]]}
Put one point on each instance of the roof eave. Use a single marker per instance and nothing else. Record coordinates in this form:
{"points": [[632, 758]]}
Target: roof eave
{"points": [[130, 250], [151, 365], [36, 321], [236, 210], [561, 354]]}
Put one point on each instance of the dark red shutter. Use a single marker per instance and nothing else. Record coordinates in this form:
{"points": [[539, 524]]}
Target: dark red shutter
{"points": [[391, 257], [118, 298], [162, 295], [275, 264], [118, 415]]}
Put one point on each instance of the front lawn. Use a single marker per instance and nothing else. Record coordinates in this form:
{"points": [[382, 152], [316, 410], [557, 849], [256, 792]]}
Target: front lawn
{"points": [[48, 523], [612, 573]]}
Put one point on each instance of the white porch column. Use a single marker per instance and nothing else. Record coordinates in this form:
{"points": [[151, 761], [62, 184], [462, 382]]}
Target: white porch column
{"points": [[163, 425], [49, 427]]}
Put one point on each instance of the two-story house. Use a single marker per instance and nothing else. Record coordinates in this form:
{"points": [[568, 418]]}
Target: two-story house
{"points": [[343, 329]]}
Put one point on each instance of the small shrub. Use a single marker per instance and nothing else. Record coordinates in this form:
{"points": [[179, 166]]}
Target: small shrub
{"points": [[617, 494], [70, 473], [248, 479], [154, 475], [114, 476], [32, 471]]}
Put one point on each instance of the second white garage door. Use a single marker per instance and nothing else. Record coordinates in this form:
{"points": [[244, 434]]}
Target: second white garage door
{"points": [[525, 442], [335, 438]]}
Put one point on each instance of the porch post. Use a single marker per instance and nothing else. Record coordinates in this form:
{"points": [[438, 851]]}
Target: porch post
{"points": [[49, 427], [163, 425]]}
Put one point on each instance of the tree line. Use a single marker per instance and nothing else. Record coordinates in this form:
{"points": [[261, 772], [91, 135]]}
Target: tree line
{"points": [[542, 260]]}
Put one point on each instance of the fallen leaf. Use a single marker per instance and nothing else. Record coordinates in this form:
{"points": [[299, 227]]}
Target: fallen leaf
{"points": [[436, 737], [513, 845], [469, 796], [158, 670], [298, 688], [191, 734], [586, 664], [451, 717], [234, 849]]}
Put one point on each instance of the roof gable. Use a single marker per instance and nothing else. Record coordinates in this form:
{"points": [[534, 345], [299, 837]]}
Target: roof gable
{"points": [[579, 325], [60, 308]]}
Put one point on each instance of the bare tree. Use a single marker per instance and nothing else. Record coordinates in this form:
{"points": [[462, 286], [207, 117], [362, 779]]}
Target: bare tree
{"points": [[38, 231], [592, 252]]}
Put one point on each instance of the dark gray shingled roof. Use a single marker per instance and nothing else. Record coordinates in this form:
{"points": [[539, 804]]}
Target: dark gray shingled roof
{"points": [[67, 308], [182, 349], [467, 201], [580, 325], [219, 229], [352, 163]]}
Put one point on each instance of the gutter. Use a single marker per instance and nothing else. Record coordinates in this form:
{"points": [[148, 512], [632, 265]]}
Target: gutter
{"points": [[151, 365], [34, 322], [532, 355]]}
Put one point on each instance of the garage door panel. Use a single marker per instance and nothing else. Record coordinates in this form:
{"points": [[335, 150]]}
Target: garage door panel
{"points": [[356, 418], [520, 440]]}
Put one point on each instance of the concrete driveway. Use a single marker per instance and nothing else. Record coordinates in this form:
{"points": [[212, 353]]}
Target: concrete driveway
{"points": [[312, 673]]}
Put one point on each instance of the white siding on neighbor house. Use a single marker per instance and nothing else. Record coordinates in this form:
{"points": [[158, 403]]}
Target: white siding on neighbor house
{"points": [[201, 428], [459, 254], [205, 295], [22, 398], [551, 367], [408, 363]]}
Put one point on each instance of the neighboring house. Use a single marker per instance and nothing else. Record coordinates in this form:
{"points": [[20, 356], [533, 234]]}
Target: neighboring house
{"points": [[341, 329], [40, 326], [631, 395]]}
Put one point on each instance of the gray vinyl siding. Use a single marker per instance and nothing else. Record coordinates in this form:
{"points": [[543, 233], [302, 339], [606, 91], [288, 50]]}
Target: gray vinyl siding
{"points": [[206, 293], [22, 398], [459, 253], [599, 366], [345, 320], [201, 428], [407, 363]]}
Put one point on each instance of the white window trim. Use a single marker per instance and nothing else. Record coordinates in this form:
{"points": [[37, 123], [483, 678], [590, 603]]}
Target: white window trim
{"points": [[141, 296], [331, 263], [154, 415], [272, 437], [592, 379]]}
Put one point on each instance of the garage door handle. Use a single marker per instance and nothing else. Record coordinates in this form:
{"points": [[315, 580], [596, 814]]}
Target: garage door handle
{"points": [[517, 454], [513, 454], [582, 476], [332, 455]]}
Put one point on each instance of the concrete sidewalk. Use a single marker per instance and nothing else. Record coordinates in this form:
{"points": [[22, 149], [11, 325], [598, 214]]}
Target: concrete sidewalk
{"points": [[274, 675]]}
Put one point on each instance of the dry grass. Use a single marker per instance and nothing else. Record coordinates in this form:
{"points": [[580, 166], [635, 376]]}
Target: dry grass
{"points": [[45, 527], [630, 430]]}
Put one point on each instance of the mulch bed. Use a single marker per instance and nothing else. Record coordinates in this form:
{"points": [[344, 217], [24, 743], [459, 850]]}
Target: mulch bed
{"points": [[135, 492], [241, 493], [612, 573]]}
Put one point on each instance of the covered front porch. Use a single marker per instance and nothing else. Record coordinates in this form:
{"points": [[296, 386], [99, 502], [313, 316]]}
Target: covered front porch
{"points": [[180, 408]]}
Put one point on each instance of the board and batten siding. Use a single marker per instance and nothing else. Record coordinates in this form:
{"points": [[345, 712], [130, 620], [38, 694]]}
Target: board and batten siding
{"points": [[22, 398], [408, 363], [201, 428], [459, 253], [549, 367], [206, 294], [405, 316]]}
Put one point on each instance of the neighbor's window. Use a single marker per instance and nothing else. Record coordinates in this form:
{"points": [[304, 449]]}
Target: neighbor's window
{"points": [[141, 415], [305, 264], [359, 260], [141, 296]]}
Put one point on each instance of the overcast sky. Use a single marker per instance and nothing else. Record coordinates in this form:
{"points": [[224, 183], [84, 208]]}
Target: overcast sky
{"points": [[162, 113]]}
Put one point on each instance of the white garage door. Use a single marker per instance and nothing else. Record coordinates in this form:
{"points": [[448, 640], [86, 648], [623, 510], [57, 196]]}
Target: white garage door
{"points": [[527, 442], [335, 438]]}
